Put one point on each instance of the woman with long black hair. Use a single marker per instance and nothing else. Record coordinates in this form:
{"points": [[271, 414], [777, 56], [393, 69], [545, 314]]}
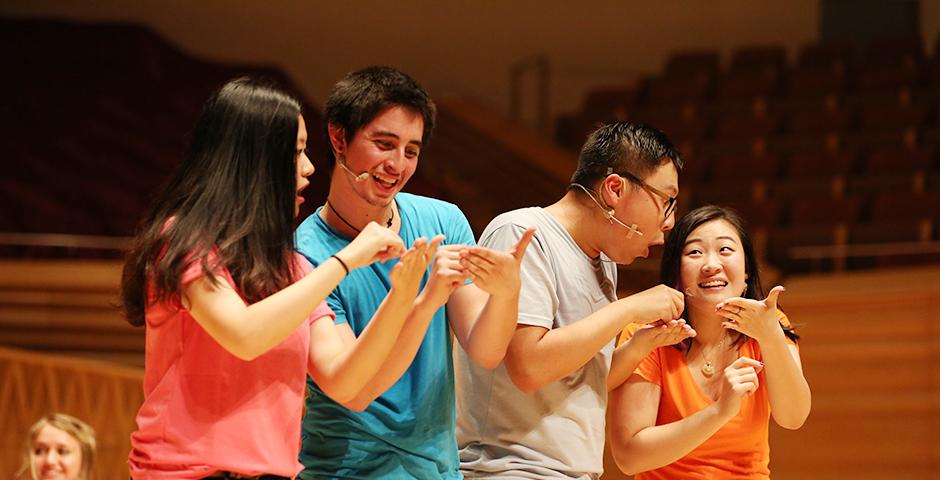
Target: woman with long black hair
{"points": [[235, 318]]}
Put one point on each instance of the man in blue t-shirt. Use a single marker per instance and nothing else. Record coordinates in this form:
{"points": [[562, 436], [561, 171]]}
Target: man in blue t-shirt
{"points": [[402, 425]]}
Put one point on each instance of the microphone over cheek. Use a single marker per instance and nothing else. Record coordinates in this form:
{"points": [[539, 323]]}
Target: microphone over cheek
{"points": [[361, 177]]}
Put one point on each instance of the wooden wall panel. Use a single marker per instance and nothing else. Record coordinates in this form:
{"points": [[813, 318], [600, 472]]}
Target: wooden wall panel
{"points": [[104, 395]]}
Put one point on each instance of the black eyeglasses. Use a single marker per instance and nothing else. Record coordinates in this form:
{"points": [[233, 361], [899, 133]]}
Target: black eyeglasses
{"points": [[670, 201]]}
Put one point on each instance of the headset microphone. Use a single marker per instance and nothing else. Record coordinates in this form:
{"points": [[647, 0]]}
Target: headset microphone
{"points": [[341, 161], [631, 229], [609, 213]]}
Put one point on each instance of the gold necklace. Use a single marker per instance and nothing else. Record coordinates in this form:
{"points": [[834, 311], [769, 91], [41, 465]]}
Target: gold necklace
{"points": [[708, 369]]}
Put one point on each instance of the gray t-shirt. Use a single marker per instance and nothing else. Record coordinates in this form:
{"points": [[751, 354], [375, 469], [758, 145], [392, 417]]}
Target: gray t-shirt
{"points": [[557, 432]]}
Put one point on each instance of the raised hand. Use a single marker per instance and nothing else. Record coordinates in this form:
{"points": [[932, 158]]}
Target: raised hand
{"points": [[493, 271], [446, 275], [754, 318], [406, 275], [740, 379], [374, 243], [655, 304], [662, 334]]}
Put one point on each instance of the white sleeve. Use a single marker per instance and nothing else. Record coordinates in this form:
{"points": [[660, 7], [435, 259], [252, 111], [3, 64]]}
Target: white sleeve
{"points": [[538, 301]]}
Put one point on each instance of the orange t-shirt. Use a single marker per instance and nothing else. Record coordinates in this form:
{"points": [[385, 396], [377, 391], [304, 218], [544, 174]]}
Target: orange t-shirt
{"points": [[740, 449]]}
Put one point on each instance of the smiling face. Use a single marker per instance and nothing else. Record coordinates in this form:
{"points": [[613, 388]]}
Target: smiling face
{"points": [[56, 455], [713, 263], [387, 149]]}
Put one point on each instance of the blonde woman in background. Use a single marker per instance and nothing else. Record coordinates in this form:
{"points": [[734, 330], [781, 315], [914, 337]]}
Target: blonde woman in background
{"points": [[58, 447]]}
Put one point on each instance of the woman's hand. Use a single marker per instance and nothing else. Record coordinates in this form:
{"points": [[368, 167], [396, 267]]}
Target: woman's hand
{"points": [[374, 243], [740, 379], [407, 274], [755, 318]]}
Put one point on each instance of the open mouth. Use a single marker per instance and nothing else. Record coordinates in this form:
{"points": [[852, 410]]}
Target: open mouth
{"points": [[713, 285], [385, 181]]}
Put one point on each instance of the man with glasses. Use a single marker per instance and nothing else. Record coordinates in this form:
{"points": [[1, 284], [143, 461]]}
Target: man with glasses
{"points": [[540, 413]]}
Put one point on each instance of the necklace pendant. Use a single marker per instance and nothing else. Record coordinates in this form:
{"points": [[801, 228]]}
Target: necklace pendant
{"points": [[708, 369]]}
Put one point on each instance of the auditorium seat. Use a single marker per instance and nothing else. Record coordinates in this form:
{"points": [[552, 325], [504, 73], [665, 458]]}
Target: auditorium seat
{"points": [[804, 249], [906, 206], [695, 166], [609, 102], [669, 90], [885, 137], [691, 63], [826, 54], [748, 84], [680, 122], [759, 58], [572, 129], [892, 117], [805, 211], [724, 191], [893, 50], [887, 160], [898, 239], [819, 163], [745, 167], [786, 190], [869, 184], [874, 77], [821, 69], [747, 125], [759, 214], [818, 121]]}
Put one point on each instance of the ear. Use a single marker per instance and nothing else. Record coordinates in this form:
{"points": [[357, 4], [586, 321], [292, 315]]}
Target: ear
{"points": [[613, 188], [337, 136]]}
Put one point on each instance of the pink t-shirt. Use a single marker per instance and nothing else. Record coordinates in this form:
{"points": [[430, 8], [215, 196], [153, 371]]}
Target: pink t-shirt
{"points": [[205, 410]]}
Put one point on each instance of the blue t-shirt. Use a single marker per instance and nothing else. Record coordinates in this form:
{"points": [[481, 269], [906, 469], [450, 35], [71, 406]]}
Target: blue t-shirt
{"points": [[408, 431]]}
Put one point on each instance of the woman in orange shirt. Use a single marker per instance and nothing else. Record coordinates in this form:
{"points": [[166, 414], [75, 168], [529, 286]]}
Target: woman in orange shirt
{"points": [[701, 408]]}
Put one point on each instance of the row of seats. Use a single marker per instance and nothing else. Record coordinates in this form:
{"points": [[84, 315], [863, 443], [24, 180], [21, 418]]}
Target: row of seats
{"points": [[762, 164], [95, 117], [86, 159], [763, 71], [855, 118], [803, 203], [835, 151], [830, 89]]}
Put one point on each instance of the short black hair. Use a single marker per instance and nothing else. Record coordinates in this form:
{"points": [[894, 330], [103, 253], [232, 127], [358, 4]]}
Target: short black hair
{"points": [[638, 149], [361, 95]]}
